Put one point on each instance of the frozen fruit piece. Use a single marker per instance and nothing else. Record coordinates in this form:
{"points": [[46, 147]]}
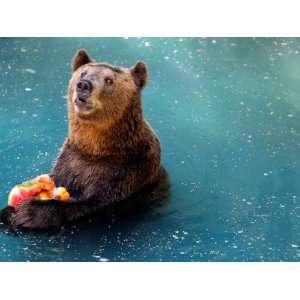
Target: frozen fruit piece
{"points": [[15, 197], [42, 187], [29, 192], [45, 196], [45, 182], [61, 193]]}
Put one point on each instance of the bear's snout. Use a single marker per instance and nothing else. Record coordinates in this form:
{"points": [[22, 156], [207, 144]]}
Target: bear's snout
{"points": [[84, 88]]}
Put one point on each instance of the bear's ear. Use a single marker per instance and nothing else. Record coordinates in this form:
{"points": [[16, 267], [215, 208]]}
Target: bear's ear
{"points": [[80, 58], [139, 74]]}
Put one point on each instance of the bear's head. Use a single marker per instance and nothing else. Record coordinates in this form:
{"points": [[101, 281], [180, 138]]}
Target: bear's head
{"points": [[99, 92]]}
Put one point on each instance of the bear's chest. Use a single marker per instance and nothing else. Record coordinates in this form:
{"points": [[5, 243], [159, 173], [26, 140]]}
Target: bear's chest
{"points": [[78, 174]]}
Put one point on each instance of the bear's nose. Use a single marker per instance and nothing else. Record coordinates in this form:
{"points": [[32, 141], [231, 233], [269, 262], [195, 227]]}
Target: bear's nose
{"points": [[84, 88]]}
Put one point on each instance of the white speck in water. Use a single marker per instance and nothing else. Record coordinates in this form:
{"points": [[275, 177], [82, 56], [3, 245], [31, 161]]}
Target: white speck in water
{"points": [[266, 77], [294, 246], [234, 246], [166, 57], [279, 54], [147, 44], [23, 112], [31, 71], [181, 252], [266, 174], [103, 259], [242, 103], [214, 41], [240, 231], [28, 89], [290, 115], [175, 237], [34, 115]]}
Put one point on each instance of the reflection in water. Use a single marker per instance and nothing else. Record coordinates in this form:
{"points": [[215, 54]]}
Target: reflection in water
{"points": [[227, 113]]}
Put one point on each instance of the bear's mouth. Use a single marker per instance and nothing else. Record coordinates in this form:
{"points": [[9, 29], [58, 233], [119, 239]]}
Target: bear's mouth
{"points": [[83, 104], [80, 99]]}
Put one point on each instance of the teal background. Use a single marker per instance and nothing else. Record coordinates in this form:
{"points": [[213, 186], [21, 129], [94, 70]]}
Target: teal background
{"points": [[227, 113]]}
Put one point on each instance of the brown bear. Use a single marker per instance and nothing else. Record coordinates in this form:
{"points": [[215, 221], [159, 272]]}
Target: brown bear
{"points": [[110, 152]]}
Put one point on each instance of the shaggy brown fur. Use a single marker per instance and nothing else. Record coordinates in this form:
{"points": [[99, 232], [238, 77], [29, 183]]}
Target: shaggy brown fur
{"points": [[110, 153]]}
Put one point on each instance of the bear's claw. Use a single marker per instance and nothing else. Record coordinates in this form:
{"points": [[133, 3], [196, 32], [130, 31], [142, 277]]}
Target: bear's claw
{"points": [[37, 214]]}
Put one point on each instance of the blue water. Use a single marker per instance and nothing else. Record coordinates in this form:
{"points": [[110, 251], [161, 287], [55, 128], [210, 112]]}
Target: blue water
{"points": [[227, 113]]}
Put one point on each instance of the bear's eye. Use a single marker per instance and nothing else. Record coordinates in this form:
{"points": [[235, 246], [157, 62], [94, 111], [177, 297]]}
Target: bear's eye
{"points": [[108, 81], [82, 74]]}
